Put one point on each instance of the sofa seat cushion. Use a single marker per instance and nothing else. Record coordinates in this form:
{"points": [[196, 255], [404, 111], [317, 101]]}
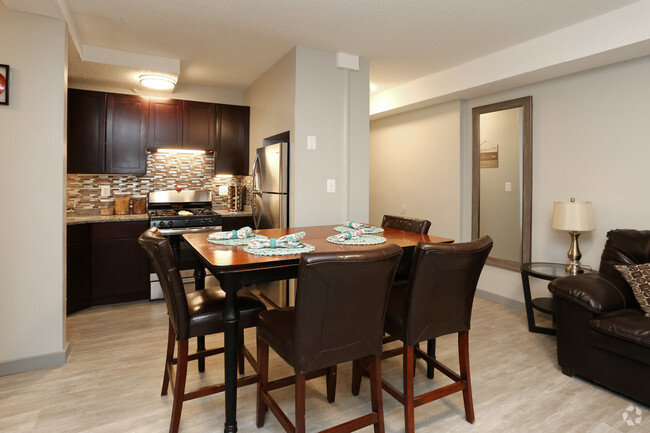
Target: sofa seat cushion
{"points": [[628, 324]]}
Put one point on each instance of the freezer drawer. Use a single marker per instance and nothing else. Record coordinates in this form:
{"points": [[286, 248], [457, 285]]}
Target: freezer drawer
{"points": [[269, 210]]}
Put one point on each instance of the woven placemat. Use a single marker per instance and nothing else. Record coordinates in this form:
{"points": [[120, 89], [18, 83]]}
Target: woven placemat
{"points": [[361, 240], [367, 230], [235, 242], [306, 248]]}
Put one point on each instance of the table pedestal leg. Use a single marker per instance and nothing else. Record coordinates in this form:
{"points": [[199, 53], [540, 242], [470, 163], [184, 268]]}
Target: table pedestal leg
{"points": [[199, 284], [231, 345]]}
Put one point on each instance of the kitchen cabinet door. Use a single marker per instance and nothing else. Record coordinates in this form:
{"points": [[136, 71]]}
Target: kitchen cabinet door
{"points": [[231, 148], [119, 266], [86, 131], [78, 291], [198, 125], [126, 134], [165, 124]]}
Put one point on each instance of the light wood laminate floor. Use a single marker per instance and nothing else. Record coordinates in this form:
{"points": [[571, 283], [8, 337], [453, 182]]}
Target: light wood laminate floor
{"points": [[111, 383]]}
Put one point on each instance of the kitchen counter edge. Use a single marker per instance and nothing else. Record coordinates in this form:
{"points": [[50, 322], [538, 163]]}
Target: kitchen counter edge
{"points": [[89, 219]]}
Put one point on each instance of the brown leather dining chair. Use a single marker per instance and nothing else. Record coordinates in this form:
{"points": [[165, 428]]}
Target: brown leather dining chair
{"points": [[414, 225], [338, 317], [407, 224], [435, 301], [191, 315]]}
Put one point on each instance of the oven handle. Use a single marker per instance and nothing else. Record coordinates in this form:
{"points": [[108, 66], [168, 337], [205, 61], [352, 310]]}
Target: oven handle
{"points": [[185, 230]]}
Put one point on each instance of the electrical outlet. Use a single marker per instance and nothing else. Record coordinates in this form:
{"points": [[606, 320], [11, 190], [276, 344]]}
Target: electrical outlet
{"points": [[331, 185], [311, 142], [105, 190]]}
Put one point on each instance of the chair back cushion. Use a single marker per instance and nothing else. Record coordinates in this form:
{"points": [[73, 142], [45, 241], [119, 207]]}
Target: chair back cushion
{"points": [[162, 259], [441, 287], [407, 224], [340, 305], [624, 247]]}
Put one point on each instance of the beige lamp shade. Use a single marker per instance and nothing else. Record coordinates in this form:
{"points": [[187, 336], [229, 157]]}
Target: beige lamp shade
{"points": [[577, 216]]}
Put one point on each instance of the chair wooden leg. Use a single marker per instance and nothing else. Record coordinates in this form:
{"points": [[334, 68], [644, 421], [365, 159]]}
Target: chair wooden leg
{"points": [[262, 379], [463, 356], [240, 353], [409, 406], [331, 384], [431, 351], [300, 403], [179, 389], [376, 393], [356, 376], [171, 342]]}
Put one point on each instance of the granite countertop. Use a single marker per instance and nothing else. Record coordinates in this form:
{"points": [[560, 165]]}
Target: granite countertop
{"points": [[226, 213], [88, 219], [89, 216]]}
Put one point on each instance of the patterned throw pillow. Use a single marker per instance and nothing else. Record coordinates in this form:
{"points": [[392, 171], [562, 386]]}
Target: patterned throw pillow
{"points": [[638, 277]]}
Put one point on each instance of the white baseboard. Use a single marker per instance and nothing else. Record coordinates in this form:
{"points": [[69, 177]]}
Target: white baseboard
{"points": [[48, 360]]}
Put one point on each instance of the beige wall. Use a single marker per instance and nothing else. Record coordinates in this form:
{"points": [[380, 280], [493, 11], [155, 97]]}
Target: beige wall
{"points": [[415, 167], [306, 94], [32, 167], [589, 142]]}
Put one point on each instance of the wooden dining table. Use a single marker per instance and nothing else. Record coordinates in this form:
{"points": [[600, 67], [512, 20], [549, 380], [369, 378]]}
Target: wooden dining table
{"points": [[235, 268]]}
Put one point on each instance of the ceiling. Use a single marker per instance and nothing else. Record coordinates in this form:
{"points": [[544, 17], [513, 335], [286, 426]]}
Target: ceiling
{"points": [[230, 43]]}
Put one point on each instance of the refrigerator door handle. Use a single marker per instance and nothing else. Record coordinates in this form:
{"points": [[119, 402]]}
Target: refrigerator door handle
{"points": [[257, 213], [256, 174]]}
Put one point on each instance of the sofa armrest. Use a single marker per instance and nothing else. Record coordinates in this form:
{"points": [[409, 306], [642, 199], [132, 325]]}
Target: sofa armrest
{"points": [[595, 292]]}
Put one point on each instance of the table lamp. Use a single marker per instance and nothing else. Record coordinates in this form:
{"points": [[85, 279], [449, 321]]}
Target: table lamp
{"points": [[575, 217]]}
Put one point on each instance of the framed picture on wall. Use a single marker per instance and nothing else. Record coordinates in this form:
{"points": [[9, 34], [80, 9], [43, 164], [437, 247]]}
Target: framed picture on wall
{"points": [[4, 84]]}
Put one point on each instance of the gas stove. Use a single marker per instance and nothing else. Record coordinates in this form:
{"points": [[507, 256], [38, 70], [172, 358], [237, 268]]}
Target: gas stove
{"points": [[182, 211]]}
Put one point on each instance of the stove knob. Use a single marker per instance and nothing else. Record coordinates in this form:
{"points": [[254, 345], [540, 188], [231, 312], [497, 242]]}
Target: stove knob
{"points": [[171, 223], [161, 224], [187, 222]]}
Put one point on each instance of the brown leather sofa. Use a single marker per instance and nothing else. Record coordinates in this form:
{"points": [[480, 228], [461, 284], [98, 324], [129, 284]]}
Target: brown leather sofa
{"points": [[602, 333]]}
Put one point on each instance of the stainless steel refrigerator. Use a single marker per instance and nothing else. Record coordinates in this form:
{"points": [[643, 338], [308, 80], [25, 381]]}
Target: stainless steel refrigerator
{"points": [[271, 207], [271, 187]]}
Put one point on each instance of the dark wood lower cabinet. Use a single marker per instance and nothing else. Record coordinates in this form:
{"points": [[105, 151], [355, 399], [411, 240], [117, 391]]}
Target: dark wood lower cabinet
{"points": [[236, 222], [106, 265], [78, 271]]}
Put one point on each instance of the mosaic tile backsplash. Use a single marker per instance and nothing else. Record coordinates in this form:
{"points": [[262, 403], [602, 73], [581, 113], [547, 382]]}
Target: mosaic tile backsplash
{"points": [[164, 171]]}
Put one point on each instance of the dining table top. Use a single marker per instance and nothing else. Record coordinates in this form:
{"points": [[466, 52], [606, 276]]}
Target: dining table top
{"points": [[234, 257]]}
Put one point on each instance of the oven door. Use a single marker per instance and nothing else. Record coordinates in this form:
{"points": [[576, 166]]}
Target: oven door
{"points": [[184, 255]]}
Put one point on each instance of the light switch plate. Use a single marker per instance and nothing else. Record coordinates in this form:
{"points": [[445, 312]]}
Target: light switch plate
{"points": [[508, 186], [105, 190], [331, 185]]}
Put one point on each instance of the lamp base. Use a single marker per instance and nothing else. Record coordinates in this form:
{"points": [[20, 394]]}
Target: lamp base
{"points": [[574, 255], [574, 269]]}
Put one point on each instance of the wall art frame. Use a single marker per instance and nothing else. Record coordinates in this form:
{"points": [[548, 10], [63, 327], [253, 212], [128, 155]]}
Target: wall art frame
{"points": [[4, 84]]}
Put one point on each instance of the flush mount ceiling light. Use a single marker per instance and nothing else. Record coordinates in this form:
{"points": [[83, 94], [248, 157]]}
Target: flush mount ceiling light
{"points": [[157, 82]]}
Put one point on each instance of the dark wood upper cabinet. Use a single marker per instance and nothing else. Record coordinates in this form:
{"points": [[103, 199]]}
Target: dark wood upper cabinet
{"points": [[165, 124], [126, 134], [198, 125], [231, 147], [86, 131]]}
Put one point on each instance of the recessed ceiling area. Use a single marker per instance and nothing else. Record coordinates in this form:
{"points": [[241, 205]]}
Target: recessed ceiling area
{"points": [[230, 43]]}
